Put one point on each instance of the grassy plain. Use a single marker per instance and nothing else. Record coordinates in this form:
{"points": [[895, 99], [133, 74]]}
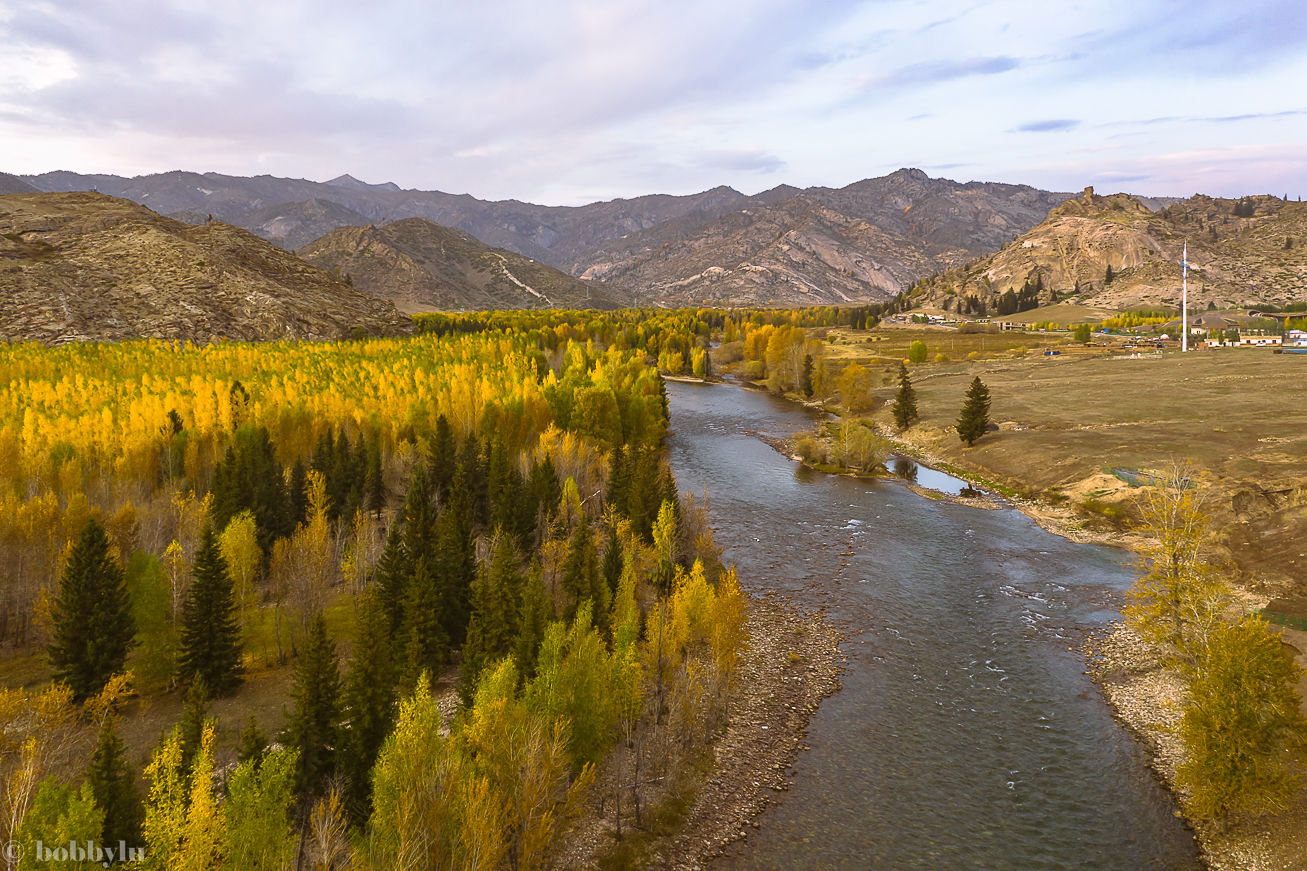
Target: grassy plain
{"points": [[1235, 414]]}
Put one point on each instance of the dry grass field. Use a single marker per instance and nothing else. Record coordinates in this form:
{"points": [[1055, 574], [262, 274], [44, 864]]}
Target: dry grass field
{"points": [[1237, 415]]}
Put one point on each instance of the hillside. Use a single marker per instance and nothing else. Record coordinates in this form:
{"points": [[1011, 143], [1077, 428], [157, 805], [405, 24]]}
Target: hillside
{"points": [[12, 184], [422, 266], [1241, 252], [863, 242], [86, 266]]}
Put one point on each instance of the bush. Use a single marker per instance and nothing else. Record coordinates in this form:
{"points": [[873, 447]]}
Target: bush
{"points": [[812, 450], [753, 370], [941, 358], [917, 352], [974, 355], [1110, 512]]}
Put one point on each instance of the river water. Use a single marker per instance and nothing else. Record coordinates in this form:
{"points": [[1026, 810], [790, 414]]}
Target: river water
{"points": [[966, 734]]}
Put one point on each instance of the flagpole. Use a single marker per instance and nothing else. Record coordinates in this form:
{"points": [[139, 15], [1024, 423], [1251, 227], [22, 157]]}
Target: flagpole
{"points": [[1184, 300]]}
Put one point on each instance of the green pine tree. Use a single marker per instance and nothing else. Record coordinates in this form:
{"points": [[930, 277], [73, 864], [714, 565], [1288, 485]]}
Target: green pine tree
{"points": [[392, 573], [454, 570], [252, 744], [370, 704], [533, 616], [93, 625], [805, 377], [974, 419], [442, 458], [314, 724], [114, 787], [210, 634], [493, 626], [422, 635], [195, 713], [905, 402]]}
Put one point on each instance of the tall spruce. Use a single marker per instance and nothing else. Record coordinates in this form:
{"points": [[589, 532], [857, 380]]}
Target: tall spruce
{"points": [[423, 636], [314, 725], [454, 570], [905, 401], [493, 625], [442, 458], [92, 617], [974, 419], [114, 787], [252, 745], [392, 573], [210, 633], [370, 704], [195, 713]]}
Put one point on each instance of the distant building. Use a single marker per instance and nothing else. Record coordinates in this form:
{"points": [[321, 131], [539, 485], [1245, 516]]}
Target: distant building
{"points": [[1297, 338], [1259, 339]]}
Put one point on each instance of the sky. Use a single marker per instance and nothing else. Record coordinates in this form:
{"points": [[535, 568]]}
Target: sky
{"points": [[567, 102]]}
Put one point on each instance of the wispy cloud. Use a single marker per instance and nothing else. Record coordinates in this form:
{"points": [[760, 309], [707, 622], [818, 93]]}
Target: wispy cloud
{"points": [[934, 72], [1048, 126]]}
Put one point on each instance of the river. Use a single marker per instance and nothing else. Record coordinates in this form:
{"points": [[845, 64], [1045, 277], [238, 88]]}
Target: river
{"points": [[966, 734]]}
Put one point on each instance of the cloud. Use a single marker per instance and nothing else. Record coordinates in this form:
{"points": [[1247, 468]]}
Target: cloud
{"points": [[934, 72], [743, 160], [1051, 125]]}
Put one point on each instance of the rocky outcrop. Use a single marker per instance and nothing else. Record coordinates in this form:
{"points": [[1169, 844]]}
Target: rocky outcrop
{"points": [[1115, 252]]}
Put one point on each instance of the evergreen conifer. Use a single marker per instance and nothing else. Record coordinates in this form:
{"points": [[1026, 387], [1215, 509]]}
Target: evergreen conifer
{"points": [[314, 724], [195, 713], [114, 787], [252, 744], [974, 419], [905, 402], [93, 624], [210, 632], [493, 625], [370, 703]]}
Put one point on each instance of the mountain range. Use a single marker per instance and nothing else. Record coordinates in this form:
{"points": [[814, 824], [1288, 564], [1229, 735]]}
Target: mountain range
{"points": [[863, 242]]}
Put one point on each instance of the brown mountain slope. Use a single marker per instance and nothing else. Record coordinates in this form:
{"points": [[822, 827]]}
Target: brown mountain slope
{"points": [[294, 225], [88, 266], [864, 242], [1240, 252], [421, 266]]}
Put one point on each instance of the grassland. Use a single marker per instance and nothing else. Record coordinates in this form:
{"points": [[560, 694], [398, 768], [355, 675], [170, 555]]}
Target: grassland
{"points": [[1064, 421]]}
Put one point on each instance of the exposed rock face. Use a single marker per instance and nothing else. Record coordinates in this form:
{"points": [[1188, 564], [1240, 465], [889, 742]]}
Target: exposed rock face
{"points": [[422, 266], [294, 225], [864, 242], [86, 266], [1248, 251]]}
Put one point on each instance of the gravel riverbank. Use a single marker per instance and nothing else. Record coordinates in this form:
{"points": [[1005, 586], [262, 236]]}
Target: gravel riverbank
{"points": [[793, 661]]}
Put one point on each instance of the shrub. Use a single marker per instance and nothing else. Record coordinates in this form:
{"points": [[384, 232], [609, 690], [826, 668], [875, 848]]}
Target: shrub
{"points": [[941, 357]]}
